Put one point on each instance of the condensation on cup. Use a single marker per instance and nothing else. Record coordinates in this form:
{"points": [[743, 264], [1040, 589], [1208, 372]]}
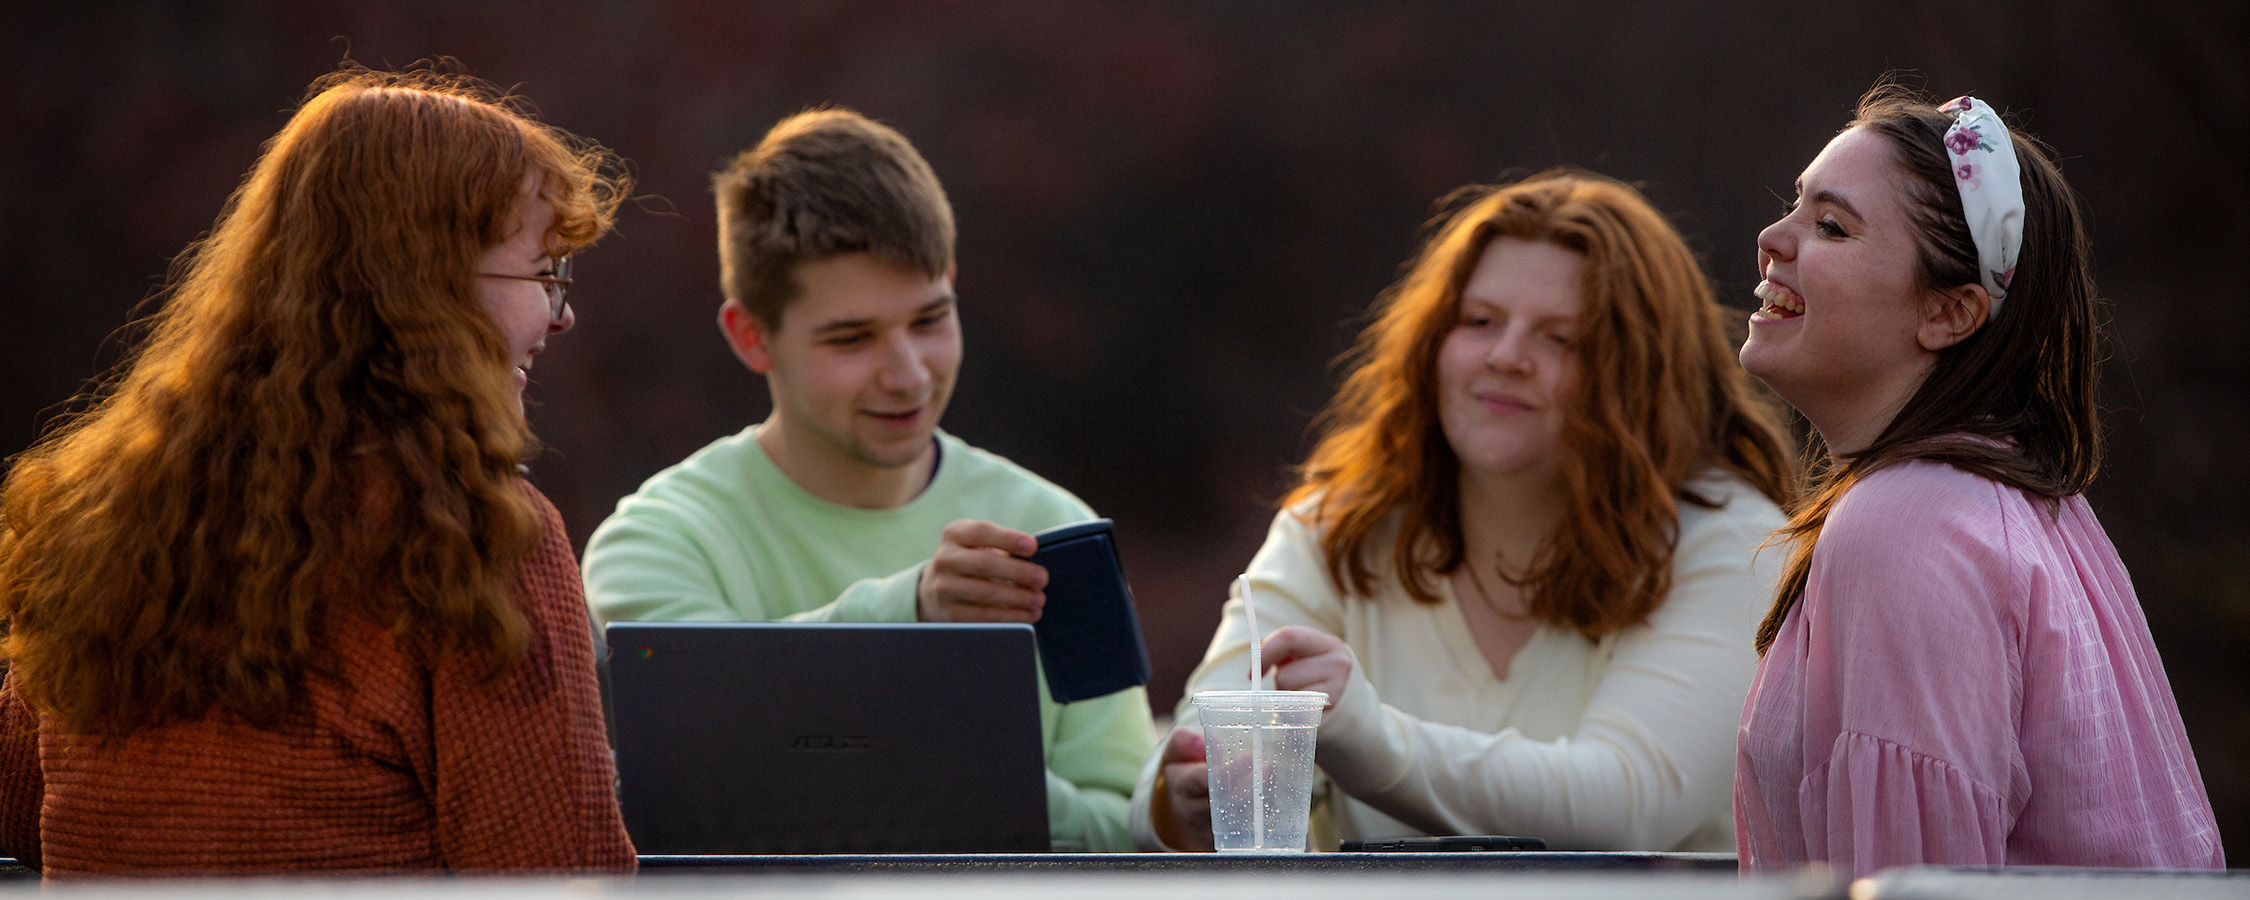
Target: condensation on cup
{"points": [[1258, 747]]}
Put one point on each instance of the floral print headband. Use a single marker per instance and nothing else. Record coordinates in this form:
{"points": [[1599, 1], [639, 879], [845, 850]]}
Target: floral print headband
{"points": [[1991, 184]]}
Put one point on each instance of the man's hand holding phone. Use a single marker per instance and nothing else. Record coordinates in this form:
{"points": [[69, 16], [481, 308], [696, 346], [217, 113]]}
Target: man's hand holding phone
{"points": [[979, 574]]}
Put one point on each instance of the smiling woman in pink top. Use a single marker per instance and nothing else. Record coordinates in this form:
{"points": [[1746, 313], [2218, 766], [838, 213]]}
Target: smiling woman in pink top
{"points": [[1955, 670]]}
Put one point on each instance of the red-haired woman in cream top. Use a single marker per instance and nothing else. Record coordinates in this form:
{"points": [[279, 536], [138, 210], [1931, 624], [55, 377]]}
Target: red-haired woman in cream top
{"points": [[1522, 561]]}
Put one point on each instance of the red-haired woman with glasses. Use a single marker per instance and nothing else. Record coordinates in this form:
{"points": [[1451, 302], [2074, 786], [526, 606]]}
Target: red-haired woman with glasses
{"points": [[1521, 561], [281, 598]]}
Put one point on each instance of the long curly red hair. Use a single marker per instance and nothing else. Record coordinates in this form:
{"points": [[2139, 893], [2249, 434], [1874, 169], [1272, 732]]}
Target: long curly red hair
{"points": [[320, 418], [1661, 399]]}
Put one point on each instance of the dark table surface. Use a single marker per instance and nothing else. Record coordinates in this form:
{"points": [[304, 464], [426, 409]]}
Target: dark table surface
{"points": [[1331, 876], [1494, 861]]}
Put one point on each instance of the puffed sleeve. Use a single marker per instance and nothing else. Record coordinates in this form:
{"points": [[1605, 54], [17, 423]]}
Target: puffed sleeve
{"points": [[1912, 677]]}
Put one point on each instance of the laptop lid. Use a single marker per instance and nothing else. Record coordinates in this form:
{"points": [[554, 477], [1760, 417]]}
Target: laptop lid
{"points": [[759, 738]]}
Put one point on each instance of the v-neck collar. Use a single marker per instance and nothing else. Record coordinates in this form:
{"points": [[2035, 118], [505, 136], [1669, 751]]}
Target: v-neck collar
{"points": [[1461, 644]]}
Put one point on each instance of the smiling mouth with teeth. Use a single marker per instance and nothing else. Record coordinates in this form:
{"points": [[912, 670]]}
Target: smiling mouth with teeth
{"points": [[1780, 301]]}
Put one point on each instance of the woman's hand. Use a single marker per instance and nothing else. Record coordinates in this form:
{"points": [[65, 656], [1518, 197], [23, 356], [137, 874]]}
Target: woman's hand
{"points": [[1304, 659], [1181, 809]]}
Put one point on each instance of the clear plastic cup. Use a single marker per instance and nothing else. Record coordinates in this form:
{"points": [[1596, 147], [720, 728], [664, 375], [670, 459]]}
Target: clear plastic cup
{"points": [[1258, 747]]}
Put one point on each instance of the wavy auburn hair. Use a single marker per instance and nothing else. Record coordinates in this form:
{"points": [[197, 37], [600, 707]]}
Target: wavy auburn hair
{"points": [[1660, 399], [321, 419], [2013, 402]]}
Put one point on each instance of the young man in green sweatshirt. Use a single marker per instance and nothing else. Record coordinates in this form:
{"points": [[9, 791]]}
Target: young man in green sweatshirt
{"points": [[847, 504]]}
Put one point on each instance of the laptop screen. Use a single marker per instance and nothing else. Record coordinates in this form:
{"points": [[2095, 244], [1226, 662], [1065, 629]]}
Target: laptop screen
{"points": [[762, 738]]}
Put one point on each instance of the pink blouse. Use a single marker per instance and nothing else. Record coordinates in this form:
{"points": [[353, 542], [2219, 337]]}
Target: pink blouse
{"points": [[1968, 680]]}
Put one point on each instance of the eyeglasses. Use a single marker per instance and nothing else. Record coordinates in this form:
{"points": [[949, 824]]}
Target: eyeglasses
{"points": [[558, 286]]}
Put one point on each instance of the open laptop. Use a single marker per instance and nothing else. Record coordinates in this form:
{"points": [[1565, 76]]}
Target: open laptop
{"points": [[762, 738]]}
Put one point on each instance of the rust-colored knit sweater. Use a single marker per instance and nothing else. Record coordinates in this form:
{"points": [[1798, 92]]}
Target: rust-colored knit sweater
{"points": [[405, 760]]}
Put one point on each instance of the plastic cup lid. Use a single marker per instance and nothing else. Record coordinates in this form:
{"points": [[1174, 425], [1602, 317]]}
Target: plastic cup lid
{"points": [[1262, 699]]}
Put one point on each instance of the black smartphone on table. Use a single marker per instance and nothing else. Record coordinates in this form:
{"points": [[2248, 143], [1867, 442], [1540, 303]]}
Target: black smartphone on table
{"points": [[1446, 843]]}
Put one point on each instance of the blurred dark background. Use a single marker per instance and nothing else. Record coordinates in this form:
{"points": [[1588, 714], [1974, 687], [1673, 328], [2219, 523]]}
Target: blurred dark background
{"points": [[1172, 213]]}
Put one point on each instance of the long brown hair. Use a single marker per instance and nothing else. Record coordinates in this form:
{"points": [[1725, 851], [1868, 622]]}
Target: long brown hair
{"points": [[2013, 402], [1660, 400], [320, 412]]}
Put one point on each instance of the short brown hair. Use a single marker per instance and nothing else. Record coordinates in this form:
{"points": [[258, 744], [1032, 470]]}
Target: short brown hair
{"points": [[822, 183]]}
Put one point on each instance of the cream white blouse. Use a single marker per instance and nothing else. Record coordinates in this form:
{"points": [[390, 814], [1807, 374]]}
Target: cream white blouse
{"points": [[1626, 743]]}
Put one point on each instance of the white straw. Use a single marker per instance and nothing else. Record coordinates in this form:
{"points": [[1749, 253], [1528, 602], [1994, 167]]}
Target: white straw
{"points": [[1257, 726], [1250, 610]]}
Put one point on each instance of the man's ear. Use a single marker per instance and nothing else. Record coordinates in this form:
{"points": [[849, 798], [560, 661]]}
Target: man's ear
{"points": [[1949, 317], [747, 336]]}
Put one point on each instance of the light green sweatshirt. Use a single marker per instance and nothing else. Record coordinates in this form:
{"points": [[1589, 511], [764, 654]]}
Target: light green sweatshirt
{"points": [[725, 536]]}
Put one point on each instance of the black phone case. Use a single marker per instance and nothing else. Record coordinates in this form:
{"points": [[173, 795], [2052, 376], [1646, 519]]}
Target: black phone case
{"points": [[1089, 637], [1452, 843]]}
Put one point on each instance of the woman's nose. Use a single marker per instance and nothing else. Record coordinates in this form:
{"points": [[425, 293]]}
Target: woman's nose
{"points": [[1507, 352], [562, 323], [1777, 241]]}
